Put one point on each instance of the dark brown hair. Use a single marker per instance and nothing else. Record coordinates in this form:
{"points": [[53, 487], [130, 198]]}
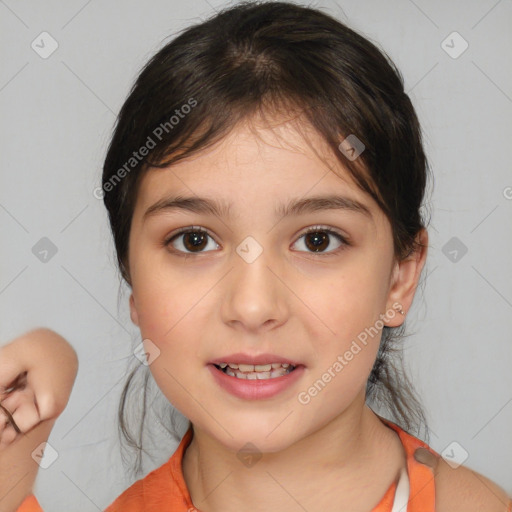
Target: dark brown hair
{"points": [[259, 57]]}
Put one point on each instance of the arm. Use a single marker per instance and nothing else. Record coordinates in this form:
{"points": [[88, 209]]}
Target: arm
{"points": [[18, 470], [37, 372], [467, 490]]}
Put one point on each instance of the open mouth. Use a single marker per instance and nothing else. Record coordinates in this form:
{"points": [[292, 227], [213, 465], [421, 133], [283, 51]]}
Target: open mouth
{"points": [[256, 372]]}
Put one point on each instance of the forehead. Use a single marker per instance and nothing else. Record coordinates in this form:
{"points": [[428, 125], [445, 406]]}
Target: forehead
{"points": [[260, 162], [257, 176]]}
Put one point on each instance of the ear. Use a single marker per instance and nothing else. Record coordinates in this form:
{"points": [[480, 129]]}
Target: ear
{"points": [[406, 274], [133, 311]]}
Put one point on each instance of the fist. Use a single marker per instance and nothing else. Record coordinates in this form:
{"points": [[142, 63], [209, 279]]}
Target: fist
{"points": [[37, 373]]}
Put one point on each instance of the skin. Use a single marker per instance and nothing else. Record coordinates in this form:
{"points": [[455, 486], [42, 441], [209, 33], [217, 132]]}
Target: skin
{"points": [[51, 366], [290, 301], [361, 444]]}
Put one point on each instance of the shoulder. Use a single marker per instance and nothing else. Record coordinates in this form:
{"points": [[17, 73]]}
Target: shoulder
{"points": [[164, 488], [30, 504], [158, 490], [132, 499], [137, 496], [463, 489]]}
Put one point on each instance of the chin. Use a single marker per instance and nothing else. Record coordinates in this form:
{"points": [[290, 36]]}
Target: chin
{"points": [[257, 436]]}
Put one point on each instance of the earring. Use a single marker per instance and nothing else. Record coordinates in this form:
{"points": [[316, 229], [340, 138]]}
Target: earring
{"points": [[401, 311]]}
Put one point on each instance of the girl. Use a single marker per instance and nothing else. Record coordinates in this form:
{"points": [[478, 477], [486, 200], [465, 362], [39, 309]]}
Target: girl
{"points": [[264, 185]]}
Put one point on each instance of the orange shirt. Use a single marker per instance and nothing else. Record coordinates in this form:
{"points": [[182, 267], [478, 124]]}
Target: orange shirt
{"points": [[165, 487]]}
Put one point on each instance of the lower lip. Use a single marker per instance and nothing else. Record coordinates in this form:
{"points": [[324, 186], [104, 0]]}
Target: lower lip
{"points": [[255, 389]]}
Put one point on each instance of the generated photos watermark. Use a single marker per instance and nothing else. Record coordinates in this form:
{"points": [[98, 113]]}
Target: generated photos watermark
{"points": [[152, 140], [305, 397]]}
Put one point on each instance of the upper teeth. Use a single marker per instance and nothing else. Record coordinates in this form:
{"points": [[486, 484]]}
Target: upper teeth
{"points": [[254, 367]]}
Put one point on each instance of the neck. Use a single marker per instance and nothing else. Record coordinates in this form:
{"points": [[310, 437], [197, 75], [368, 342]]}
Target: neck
{"points": [[336, 462]]}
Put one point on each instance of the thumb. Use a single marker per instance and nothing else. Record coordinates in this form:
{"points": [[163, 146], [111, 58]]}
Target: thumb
{"points": [[51, 392]]}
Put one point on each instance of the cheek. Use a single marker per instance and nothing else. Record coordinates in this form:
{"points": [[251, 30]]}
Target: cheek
{"points": [[345, 306], [174, 312], [346, 331], [345, 356], [162, 299], [172, 322]]}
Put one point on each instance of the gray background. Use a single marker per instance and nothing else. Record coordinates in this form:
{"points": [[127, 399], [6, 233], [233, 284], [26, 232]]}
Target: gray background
{"points": [[57, 115]]}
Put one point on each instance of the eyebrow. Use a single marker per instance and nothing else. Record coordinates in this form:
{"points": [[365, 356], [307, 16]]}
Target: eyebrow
{"points": [[204, 205]]}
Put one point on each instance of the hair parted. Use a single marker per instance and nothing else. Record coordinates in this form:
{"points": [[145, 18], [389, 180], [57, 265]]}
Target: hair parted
{"points": [[261, 58]]}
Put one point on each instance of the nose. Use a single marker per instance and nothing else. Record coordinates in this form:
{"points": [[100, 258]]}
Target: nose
{"points": [[255, 297]]}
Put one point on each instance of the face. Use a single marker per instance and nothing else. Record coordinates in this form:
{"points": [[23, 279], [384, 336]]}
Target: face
{"points": [[251, 280]]}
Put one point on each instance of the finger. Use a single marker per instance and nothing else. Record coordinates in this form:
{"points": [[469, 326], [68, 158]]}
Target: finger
{"points": [[19, 382], [16, 398], [17, 385], [20, 401], [49, 401], [11, 401], [7, 436], [8, 419], [45, 405], [10, 366], [26, 417], [9, 429]]}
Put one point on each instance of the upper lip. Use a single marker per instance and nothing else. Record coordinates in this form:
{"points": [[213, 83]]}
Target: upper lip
{"points": [[254, 359]]}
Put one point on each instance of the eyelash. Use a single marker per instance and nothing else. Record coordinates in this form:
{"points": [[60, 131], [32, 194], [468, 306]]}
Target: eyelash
{"points": [[312, 229]]}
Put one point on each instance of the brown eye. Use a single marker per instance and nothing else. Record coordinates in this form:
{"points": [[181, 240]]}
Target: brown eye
{"points": [[190, 241], [318, 239], [194, 240]]}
